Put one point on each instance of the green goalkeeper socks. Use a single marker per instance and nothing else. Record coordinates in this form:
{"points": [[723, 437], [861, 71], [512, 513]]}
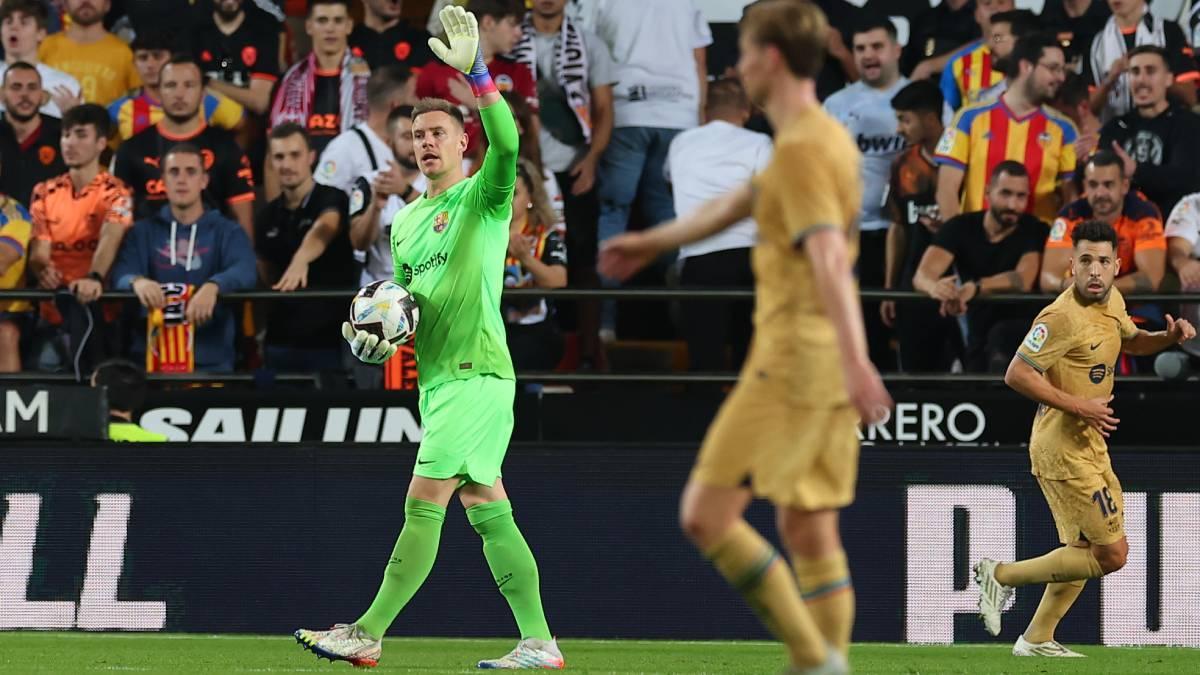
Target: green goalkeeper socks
{"points": [[512, 565], [411, 561]]}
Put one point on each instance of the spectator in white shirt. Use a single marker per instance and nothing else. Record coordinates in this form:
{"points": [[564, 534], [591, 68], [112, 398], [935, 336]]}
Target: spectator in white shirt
{"points": [[23, 27], [656, 96], [376, 198], [1183, 254], [703, 163]]}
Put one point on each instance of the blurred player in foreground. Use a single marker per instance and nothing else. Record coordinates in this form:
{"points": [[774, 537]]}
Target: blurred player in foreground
{"points": [[1066, 363], [448, 247], [787, 431]]}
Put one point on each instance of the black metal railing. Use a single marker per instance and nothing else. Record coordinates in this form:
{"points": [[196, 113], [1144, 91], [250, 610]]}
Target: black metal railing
{"points": [[635, 294], [646, 294]]}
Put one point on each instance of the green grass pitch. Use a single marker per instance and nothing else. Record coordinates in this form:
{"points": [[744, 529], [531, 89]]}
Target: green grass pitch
{"points": [[38, 652]]}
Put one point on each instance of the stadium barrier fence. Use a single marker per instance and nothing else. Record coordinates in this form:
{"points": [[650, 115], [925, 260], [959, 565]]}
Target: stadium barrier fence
{"points": [[222, 538]]}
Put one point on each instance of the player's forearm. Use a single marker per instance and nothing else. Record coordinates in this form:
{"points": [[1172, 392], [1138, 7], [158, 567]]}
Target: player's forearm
{"points": [[948, 192], [1179, 252], [364, 228], [107, 247], [1024, 379], [707, 220], [1132, 284], [315, 242], [546, 276], [894, 252], [832, 276], [500, 127], [1146, 343], [39, 256], [602, 121], [243, 213], [1010, 281]]}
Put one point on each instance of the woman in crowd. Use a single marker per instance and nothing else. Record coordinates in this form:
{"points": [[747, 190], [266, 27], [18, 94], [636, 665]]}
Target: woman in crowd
{"points": [[537, 258]]}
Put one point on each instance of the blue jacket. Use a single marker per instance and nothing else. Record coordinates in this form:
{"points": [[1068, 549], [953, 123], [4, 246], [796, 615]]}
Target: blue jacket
{"points": [[213, 248]]}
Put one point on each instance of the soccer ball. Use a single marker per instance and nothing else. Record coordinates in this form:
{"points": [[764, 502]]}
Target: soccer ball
{"points": [[387, 309]]}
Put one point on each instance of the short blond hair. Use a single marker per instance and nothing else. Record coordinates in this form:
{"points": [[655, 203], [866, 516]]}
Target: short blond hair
{"points": [[797, 28], [428, 105]]}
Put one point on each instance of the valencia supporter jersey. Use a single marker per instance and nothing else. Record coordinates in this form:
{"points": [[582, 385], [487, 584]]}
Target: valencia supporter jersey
{"points": [[248, 53], [229, 175], [137, 111], [912, 203], [24, 164], [968, 74], [983, 135], [1139, 228], [15, 230], [401, 45], [71, 222]]}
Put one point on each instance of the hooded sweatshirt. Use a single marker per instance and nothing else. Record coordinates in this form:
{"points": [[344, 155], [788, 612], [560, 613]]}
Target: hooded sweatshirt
{"points": [[213, 248]]}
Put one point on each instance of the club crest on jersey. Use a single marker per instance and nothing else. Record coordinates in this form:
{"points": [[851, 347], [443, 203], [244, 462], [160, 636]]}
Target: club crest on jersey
{"points": [[1044, 139], [441, 222], [1037, 337], [1059, 230], [1097, 372]]}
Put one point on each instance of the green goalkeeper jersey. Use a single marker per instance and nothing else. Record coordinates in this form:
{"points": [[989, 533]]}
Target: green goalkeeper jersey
{"points": [[449, 252]]}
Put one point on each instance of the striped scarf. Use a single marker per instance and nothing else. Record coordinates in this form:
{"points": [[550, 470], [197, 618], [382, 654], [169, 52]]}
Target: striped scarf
{"points": [[571, 64], [293, 102]]}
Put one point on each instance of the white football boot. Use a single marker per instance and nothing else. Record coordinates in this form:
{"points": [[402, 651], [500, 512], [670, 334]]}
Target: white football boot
{"points": [[343, 642], [1024, 647], [993, 595], [528, 654]]}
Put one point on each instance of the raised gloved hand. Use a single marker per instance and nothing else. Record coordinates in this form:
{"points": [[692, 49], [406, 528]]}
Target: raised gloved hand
{"points": [[366, 347], [462, 36], [463, 53]]}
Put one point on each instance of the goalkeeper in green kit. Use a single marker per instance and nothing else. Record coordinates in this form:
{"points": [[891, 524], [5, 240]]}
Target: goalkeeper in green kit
{"points": [[448, 248]]}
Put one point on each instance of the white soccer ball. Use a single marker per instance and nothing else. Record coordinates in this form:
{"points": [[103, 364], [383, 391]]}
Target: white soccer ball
{"points": [[387, 309]]}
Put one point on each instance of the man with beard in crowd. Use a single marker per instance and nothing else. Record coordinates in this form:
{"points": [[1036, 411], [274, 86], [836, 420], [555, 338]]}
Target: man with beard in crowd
{"points": [[1141, 245], [28, 138], [865, 109], [996, 250], [231, 184], [1158, 141], [979, 137]]}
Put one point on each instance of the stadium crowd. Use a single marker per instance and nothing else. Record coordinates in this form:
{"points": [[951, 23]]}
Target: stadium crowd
{"points": [[185, 149]]}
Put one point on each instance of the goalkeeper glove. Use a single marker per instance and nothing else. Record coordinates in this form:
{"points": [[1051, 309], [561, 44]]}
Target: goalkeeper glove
{"points": [[461, 49], [366, 347]]}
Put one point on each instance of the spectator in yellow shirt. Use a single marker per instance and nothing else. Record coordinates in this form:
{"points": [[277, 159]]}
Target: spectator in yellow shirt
{"points": [[101, 62], [142, 108], [15, 229]]}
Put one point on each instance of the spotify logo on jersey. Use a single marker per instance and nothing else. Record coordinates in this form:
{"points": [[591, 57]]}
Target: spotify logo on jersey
{"points": [[436, 260]]}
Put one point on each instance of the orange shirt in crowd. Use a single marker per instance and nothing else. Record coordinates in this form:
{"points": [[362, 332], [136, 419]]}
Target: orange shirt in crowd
{"points": [[71, 222], [1139, 228]]}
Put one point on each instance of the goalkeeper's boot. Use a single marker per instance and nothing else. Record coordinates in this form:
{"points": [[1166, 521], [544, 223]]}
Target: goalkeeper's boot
{"points": [[343, 642], [835, 664], [528, 654], [993, 595], [1024, 647]]}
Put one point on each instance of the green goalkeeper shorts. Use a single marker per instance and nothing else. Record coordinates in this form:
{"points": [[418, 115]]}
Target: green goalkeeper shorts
{"points": [[468, 424]]}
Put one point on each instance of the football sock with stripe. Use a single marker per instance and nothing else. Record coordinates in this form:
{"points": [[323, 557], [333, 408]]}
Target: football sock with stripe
{"points": [[412, 559], [829, 595], [1067, 563], [512, 565], [1057, 599], [755, 569]]}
